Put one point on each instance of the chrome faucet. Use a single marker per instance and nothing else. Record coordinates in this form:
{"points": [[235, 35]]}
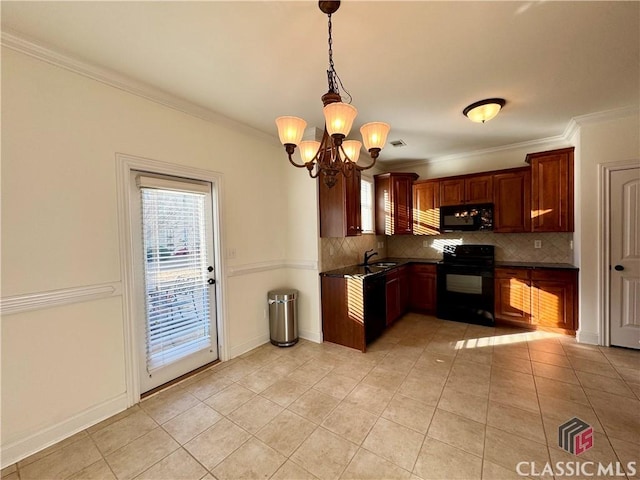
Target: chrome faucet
{"points": [[367, 256]]}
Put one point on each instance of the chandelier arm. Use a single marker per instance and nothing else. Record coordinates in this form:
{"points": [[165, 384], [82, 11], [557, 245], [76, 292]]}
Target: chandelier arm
{"points": [[294, 163]]}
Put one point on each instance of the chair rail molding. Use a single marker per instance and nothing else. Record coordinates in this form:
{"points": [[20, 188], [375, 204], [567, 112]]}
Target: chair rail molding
{"points": [[53, 298]]}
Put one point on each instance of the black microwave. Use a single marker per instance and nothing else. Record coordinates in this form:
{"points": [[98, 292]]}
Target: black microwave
{"points": [[466, 218]]}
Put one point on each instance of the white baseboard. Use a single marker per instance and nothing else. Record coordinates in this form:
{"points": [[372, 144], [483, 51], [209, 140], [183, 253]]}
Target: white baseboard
{"points": [[246, 346], [17, 450], [311, 336], [590, 338]]}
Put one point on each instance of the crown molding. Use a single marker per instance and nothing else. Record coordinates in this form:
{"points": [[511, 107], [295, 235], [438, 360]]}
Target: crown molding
{"points": [[50, 55], [606, 115]]}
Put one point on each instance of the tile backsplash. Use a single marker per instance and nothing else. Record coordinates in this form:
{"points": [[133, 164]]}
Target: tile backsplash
{"points": [[342, 252], [516, 247]]}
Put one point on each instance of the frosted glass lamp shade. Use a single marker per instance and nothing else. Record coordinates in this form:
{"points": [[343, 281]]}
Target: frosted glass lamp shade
{"points": [[308, 150], [290, 129], [374, 134], [339, 118], [484, 110], [352, 149]]}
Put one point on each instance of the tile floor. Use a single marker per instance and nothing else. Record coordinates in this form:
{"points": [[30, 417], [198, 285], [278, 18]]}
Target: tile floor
{"points": [[431, 399]]}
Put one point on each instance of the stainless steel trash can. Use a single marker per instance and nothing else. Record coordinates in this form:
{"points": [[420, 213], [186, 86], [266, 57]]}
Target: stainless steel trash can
{"points": [[283, 321]]}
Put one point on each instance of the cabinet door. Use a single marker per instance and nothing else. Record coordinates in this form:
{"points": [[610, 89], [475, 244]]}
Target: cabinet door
{"points": [[451, 192], [552, 190], [402, 205], [422, 288], [554, 299], [403, 286], [513, 295], [478, 189], [426, 211], [512, 202], [393, 297], [353, 212]]}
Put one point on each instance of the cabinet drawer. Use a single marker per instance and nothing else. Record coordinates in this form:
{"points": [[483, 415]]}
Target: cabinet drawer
{"points": [[423, 268], [520, 273], [554, 275]]}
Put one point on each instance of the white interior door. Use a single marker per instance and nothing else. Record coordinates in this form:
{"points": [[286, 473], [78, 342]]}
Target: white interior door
{"points": [[175, 291], [625, 258]]}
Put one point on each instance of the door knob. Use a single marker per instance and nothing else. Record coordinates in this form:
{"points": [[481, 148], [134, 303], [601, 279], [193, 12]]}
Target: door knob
{"points": [[209, 268], [619, 268], [211, 281]]}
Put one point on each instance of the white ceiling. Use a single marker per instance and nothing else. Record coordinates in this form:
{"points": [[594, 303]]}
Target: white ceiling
{"points": [[414, 64]]}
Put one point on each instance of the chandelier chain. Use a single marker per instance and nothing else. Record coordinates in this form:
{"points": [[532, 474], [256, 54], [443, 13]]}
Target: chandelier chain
{"points": [[332, 76]]}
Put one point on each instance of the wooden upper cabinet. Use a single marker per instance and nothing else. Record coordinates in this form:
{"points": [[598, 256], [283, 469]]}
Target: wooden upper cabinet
{"points": [[512, 201], [469, 189], [552, 190], [340, 207], [394, 198], [426, 208]]}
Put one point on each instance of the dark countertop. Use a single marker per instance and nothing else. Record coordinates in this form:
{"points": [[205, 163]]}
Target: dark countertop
{"points": [[359, 271], [564, 266]]}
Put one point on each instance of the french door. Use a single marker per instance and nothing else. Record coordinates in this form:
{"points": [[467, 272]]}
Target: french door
{"points": [[175, 279]]}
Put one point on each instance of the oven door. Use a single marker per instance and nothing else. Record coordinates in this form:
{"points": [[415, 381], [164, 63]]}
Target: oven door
{"points": [[466, 294]]}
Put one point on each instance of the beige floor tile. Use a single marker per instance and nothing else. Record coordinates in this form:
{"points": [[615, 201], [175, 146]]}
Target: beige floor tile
{"points": [[177, 466], [509, 362], [435, 362], [397, 363], [606, 384], [409, 412], [255, 414], [97, 471], [49, 450], [210, 385], [547, 345], [512, 381], [214, 444], [253, 460], [357, 369], [464, 404], [324, 454], [384, 378], [618, 415], [291, 471], [621, 357], [627, 452], [8, 470], [125, 430], [507, 450], [598, 368], [314, 405], [562, 410], [578, 353], [286, 432], [191, 423], [515, 398], [62, 462], [309, 373], [167, 404], [239, 369], [394, 442], [517, 421], [113, 419], [421, 390], [372, 399], [561, 390], [285, 392], [438, 461], [482, 356], [350, 422], [134, 458], [230, 398], [629, 375], [457, 431], [493, 471], [550, 358], [368, 466], [518, 350], [338, 386], [260, 380], [11, 476]]}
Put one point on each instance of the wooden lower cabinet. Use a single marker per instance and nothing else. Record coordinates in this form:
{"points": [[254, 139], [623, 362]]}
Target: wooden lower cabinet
{"points": [[537, 298], [422, 288], [397, 293]]}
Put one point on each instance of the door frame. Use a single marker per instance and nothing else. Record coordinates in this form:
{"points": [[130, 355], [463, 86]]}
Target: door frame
{"points": [[604, 237], [125, 164]]}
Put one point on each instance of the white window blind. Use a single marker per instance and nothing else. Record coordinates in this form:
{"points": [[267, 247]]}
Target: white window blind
{"points": [[175, 269], [366, 205]]}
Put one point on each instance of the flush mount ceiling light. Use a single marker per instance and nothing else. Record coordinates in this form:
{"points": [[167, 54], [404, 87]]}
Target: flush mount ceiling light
{"points": [[333, 155], [484, 110]]}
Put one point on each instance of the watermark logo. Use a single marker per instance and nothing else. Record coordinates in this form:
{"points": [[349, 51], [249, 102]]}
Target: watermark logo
{"points": [[575, 436]]}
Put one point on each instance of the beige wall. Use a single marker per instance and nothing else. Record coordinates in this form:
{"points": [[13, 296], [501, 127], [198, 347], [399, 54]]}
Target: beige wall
{"points": [[603, 142], [64, 366]]}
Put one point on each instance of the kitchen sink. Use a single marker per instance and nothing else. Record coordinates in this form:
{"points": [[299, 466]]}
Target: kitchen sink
{"points": [[384, 264]]}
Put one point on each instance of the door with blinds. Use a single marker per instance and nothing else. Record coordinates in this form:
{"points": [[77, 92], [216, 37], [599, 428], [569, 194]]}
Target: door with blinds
{"points": [[176, 283]]}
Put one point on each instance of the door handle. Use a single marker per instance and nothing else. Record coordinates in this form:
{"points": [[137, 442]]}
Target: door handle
{"points": [[618, 268], [211, 281], [209, 268]]}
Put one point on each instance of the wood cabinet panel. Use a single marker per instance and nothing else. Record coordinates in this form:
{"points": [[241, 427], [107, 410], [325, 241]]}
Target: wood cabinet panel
{"points": [[512, 201], [426, 208], [394, 198], [343, 311], [339, 207], [451, 192], [513, 295], [552, 190], [422, 288], [478, 189]]}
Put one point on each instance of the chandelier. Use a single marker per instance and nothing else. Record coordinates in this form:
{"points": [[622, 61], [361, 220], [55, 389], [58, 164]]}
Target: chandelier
{"points": [[333, 155]]}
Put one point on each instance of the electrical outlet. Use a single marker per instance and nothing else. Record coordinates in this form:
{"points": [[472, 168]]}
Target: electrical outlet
{"points": [[331, 251], [425, 243], [537, 244], [571, 244], [231, 253], [380, 244]]}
